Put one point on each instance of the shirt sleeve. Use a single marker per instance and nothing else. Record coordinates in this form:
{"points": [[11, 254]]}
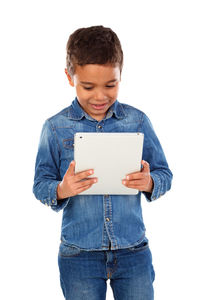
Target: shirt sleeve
{"points": [[47, 175], [154, 155]]}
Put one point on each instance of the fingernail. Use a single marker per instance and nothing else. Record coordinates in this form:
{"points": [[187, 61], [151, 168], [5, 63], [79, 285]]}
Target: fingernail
{"points": [[127, 177], [123, 181]]}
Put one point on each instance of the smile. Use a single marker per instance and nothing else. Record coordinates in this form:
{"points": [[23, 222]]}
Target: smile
{"points": [[99, 107]]}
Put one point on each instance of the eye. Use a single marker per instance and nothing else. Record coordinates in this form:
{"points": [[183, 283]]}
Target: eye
{"points": [[87, 88], [110, 86], [90, 88]]}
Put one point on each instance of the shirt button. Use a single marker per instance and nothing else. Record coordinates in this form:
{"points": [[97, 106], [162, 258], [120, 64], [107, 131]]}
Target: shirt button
{"points": [[53, 201], [107, 219], [100, 126]]}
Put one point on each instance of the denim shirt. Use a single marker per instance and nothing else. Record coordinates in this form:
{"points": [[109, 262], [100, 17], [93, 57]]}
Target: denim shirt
{"points": [[95, 222]]}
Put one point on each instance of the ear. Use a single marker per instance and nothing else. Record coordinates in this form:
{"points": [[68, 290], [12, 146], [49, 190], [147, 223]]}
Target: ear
{"points": [[70, 79]]}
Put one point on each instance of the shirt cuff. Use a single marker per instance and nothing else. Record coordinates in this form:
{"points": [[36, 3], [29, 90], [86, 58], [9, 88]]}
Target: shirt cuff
{"points": [[52, 201], [156, 193]]}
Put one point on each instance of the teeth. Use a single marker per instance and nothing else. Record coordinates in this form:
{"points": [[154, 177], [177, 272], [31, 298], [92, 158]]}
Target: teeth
{"points": [[99, 105]]}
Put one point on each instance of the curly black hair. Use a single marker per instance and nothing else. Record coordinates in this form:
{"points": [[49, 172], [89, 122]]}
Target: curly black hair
{"points": [[93, 45]]}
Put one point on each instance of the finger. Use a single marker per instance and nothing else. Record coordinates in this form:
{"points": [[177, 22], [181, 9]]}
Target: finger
{"points": [[86, 182], [134, 186], [146, 167], [83, 189], [71, 168], [135, 183], [136, 175], [81, 175], [140, 187], [86, 185]]}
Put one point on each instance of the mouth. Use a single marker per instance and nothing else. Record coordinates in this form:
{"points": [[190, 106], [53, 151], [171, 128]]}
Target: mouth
{"points": [[99, 106]]}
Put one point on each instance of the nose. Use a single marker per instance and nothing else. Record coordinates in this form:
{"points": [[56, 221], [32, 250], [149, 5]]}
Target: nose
{"points": [[99, 96]]}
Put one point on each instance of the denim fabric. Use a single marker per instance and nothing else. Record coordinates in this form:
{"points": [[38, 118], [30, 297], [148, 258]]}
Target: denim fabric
{"points": [[84, 274], [92, 222]]}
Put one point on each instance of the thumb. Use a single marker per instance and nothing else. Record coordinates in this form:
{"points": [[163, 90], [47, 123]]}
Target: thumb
{"points": [[146, 167], [71, 168]]}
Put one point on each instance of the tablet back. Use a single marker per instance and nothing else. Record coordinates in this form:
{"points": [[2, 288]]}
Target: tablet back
{"points": [[112, 155]]}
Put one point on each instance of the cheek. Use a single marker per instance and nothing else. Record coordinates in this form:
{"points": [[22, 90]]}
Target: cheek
{"points": [[78, 90], [114, 92], [81, 94]]}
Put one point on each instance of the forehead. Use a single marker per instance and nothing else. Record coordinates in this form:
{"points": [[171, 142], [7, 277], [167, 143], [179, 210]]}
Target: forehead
{"points": [[92, 73]]}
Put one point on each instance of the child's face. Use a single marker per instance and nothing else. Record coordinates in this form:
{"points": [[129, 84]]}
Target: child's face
{"points": [[96, 85]]}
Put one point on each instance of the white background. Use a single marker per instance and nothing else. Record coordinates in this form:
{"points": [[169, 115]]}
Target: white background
{"points": [[161, 76]]}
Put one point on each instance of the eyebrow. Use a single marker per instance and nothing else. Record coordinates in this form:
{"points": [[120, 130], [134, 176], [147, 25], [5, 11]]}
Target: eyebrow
{"points": [[87, 82]]}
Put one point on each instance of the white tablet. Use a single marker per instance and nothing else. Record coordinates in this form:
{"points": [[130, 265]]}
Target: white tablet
{"points": [[112, 155]]}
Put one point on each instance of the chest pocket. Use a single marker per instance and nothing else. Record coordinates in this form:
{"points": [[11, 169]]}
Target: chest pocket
{"points": [[68, 143], [68, 149]]}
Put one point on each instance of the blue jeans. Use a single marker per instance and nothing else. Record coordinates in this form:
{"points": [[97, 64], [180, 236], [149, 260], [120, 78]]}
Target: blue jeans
{"points": [[83, 274]]}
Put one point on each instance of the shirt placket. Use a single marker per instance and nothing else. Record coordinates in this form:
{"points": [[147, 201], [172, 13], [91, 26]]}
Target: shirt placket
{"points": [[108, 235], [108, 221]]}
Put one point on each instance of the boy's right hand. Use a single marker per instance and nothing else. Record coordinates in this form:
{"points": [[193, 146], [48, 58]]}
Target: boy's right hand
{"points": [[72, 185]]}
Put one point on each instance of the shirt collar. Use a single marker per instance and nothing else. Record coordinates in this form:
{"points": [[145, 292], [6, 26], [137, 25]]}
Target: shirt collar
{"points": [[77, 113]]}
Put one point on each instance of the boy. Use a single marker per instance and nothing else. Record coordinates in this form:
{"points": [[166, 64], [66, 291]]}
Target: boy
{"points": [[103, 236]]}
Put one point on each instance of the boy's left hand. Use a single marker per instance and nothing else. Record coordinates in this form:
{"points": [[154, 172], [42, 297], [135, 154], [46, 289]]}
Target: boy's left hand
{"points": [[141, 181]]}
